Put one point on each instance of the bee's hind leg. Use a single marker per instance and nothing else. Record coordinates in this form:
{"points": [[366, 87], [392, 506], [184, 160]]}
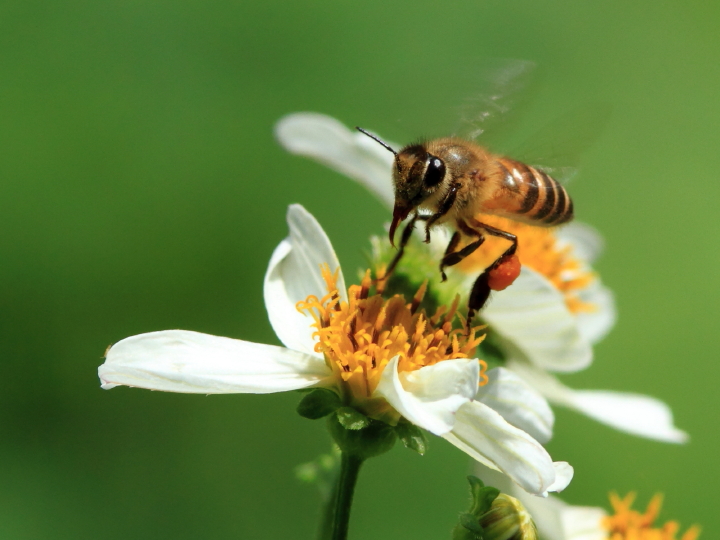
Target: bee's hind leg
{"points": [[481, 288]]}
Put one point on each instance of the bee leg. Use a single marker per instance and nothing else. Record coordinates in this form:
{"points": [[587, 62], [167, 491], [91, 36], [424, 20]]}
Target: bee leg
{"points": [[509, 252], [478, 296], [404, 239], [481, 288], [451, 247], [444, 207], [453, 257]]}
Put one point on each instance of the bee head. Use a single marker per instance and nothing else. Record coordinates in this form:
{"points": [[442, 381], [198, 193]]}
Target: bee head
{"points": [[416, 174]]}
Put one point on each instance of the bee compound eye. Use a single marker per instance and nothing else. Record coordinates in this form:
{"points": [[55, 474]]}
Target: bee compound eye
{"points": [[435, 172]]}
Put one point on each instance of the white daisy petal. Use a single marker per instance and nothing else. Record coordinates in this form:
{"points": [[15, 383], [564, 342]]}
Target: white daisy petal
{"points": [[587, 243], [563, 476], [294, 273], [633, 413], [518, 403], [347, 151], [430, 396], [583, 523], [595, 325], [191, 362], [486, 436], [533, 316]]}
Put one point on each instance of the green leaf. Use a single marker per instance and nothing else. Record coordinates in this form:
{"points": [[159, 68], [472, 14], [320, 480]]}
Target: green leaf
{"points": [[412, 437], [349, 418], [318, 403]]}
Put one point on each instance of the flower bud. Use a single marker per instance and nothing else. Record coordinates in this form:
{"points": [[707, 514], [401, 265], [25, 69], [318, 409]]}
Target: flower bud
{"points": [[507, 519]]}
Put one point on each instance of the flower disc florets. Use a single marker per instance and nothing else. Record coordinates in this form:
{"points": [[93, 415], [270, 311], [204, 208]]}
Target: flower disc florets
{"points": [[359, 337], [629, 524]]}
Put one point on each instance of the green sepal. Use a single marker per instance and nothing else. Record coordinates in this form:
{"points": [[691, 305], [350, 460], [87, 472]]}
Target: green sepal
{"points": [[482, 495], [349, 418], [318, 403], [471, 523], [468, 528], [412, 437], [374, 439]]}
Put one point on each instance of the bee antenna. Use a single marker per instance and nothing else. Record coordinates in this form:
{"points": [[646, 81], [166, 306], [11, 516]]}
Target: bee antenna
{"points": [[376, 139]]}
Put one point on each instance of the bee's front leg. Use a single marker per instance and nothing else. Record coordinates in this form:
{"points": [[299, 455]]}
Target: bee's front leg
{"points": [[443, 208]]}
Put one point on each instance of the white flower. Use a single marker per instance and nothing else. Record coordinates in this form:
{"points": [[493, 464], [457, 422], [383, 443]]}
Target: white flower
{"points": [[554, 518], [558, 520], [381, 357], [551, 316]]}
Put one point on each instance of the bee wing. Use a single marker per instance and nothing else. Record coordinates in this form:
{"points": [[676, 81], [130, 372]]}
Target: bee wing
{"points": [[556, 148], [502, 86]]}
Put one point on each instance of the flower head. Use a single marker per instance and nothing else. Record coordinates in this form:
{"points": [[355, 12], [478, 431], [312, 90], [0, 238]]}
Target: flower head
{"points": [[384, 357], [557, 520], [550, 317]]}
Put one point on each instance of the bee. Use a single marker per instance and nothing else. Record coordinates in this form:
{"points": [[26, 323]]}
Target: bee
{"points": [[456, 181]]}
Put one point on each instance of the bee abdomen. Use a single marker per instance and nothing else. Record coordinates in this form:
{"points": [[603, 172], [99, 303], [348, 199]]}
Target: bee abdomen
{"points": [[542, 199]]}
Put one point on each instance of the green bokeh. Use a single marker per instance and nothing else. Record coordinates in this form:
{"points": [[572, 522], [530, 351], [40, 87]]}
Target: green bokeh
{"points": [[141, 189]]}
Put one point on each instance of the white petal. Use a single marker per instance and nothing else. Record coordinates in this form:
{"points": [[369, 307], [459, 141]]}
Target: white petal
{"points": [[518, 403], [532, 315], [191, 362], [563, 476], [596, 324], [429, 397], [633, 413], [294, 273], [586, 242], [486, 436], [347, 151], [583, 523]]}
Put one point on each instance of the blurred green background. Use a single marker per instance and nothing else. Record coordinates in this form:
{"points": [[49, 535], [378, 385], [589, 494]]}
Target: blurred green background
{"points": [[141, 189]]}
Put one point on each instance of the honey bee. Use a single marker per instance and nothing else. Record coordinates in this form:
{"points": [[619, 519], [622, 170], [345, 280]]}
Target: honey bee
{"points": [[457, 181]]}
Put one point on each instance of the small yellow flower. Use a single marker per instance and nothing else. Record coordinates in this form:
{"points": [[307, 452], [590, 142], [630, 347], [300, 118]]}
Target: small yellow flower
{"points": [[629, 524]]}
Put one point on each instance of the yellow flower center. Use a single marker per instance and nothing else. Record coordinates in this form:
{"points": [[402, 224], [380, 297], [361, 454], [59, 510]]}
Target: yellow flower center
{"points": [[537, 249], [629, 524], [359, 337]]}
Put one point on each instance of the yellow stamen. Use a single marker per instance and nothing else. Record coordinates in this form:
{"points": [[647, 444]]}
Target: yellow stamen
{"points": [[629, 524], [359, 337], [537, 249]]}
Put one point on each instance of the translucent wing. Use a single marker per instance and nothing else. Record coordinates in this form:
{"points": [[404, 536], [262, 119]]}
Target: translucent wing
{"points": [[556, 148], [502, 84]]}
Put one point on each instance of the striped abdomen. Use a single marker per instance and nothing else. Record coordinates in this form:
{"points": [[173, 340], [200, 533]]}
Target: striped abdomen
{"points": [[530, 195]]}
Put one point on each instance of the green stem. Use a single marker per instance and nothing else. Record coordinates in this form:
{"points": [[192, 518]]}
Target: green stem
{"points": [[349, 470]]}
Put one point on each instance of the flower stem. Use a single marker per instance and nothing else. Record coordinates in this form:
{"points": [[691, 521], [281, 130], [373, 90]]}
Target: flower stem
{"points": [[349, 470]]}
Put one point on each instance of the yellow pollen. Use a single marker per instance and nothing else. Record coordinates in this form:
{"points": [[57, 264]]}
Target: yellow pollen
{"points": [[360, 336], [537, 249], [629, 524]]}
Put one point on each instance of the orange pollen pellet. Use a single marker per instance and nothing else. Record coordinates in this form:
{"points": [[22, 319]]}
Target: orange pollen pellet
{"points": [[501, 277]]}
